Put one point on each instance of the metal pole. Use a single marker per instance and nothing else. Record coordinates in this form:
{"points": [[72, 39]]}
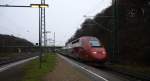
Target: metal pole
{"points": [[14, 6], [40, 48], [115, 40], [44, 28], [44, 25], [117, 31], [54, 42]]}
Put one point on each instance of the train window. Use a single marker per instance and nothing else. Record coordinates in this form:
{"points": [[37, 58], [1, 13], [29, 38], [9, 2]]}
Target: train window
{"points": [[95, 43], [75, 41]]}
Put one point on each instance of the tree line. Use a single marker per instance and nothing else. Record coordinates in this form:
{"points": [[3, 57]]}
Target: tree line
{"points": [[133, 30]]}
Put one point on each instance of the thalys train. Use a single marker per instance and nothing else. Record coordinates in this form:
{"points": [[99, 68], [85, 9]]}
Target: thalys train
{"points": [[87, 49]]}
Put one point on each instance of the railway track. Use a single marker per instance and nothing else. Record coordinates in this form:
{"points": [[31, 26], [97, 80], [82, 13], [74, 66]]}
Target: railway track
{"points": [[7, 60], [12, 64]]}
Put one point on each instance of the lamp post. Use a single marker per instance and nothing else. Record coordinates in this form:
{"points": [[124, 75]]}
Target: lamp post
{"points": [[53, 41], [40, 27], [46, 32]]}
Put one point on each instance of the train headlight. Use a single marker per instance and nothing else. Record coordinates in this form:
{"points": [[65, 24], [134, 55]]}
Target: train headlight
{"points": [[94, 52], [103, 52]]}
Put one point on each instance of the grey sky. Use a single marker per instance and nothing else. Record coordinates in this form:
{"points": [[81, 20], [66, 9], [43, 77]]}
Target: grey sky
{"points": [[62, 17]]}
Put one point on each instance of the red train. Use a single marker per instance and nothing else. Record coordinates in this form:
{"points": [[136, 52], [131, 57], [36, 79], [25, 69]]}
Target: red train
{"points": [[86, 48]]}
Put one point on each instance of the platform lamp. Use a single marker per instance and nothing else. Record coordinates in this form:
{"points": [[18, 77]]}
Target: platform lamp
{"points": [[40, 28]]}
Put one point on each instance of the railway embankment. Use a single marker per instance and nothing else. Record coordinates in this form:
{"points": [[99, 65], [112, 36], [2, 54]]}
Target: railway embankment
{"points": [[135, 71]]}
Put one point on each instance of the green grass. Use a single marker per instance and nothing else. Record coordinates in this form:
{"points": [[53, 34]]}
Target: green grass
{"points": [[34, 73]]}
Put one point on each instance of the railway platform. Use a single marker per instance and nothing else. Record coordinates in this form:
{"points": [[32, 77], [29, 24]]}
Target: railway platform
{"points": [[65, 72]]}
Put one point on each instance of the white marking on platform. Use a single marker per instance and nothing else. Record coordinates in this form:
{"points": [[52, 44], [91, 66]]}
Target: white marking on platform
{"points": [[83, 68], [5, 67]]}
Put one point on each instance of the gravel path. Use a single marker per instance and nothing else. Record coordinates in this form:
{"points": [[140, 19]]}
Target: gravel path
{"points": [[65, 72]]}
